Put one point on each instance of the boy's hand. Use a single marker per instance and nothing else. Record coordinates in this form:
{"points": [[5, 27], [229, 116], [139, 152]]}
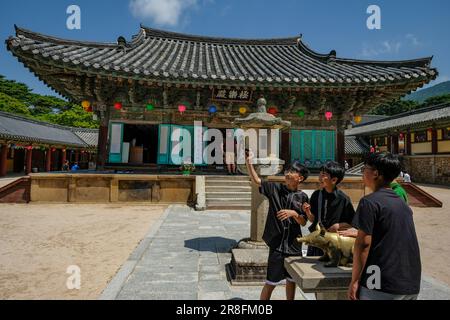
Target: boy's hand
{"points": [[286, 214], [306, 207], [334, 228], [351, 233], [353, 290], [249, 155]]}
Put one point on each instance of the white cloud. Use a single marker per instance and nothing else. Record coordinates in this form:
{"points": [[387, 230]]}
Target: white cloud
{"points": [[384, 47], [390, 47], [413, 39], [161, 12]]}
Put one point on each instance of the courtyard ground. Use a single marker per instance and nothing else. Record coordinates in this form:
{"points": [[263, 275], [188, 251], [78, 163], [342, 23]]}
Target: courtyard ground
{"points": [[39, 242], [154, 252]]}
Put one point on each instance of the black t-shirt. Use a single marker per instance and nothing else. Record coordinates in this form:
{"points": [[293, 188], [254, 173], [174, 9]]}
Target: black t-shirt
{"points": [[281, 235], [394, 249], [336, 208]]}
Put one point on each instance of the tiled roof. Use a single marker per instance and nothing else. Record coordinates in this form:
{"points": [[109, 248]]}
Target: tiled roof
{"points": [[89, 136], [404, 120], [156, 54], [13, 127], [354, 145]]}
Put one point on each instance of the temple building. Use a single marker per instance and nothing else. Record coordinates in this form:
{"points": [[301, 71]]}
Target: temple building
{"points": [[421, 137], [143, 89], [29, 145]]}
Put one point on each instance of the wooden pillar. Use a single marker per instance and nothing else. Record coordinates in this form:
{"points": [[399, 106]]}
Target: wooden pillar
{"points": [[408, 143], [434, 142], [29, 161], [48, 160], [3, 160], [340, 142], [395, 143], [285, 153], [63, 157], [102, 147], [77, 156], [389, 143]]}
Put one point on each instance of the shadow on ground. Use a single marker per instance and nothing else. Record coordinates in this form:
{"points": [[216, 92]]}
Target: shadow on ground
{"points": [[211, 244]]}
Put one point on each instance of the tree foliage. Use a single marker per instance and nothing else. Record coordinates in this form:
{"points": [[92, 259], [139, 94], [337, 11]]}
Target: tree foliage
{"points": [[402, 106], [18, 98]]}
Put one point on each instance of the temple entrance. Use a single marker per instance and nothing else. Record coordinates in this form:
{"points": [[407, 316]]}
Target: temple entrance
{"points": [[139, 144]]}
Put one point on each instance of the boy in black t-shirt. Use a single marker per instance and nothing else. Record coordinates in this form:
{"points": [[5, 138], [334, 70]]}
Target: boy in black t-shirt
{"points": [[386, 259], [329, 206], [283, 224]]}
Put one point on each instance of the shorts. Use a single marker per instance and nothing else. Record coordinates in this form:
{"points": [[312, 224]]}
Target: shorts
{"points": [[366, 294], [276, 272]]}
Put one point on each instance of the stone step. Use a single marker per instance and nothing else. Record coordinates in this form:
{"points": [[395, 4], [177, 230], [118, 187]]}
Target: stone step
{"points": [[228, 178], [226, 205], [228, 195], [229, 200], [230, 188], [220, 183]]}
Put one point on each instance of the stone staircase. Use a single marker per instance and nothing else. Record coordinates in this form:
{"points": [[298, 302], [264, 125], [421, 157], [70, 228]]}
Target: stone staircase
{"points": [[228, 193]]}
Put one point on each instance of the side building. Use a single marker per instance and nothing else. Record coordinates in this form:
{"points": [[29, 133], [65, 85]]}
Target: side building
{"points": [[421, 137]]}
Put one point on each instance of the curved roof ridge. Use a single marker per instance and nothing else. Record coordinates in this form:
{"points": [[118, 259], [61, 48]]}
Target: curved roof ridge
{"points": [[40, 122], [218, 40], [136, 39]]}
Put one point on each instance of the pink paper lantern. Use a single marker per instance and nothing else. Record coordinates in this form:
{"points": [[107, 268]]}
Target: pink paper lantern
{"points": [[328, 115], [182, 108]]}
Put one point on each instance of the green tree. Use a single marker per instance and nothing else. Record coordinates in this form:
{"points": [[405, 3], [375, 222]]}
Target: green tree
{"points": [[397, 107], [16, 97], [12, 105]]}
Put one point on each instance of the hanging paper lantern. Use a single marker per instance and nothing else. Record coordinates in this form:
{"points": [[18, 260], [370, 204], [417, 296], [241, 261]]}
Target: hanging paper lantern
{"points": [[272, 110], [118, 106], [182, 108], [401, 136], [358, 119], [29, 148], [150, 107], [85, 104], [89, 109], [242, 110], [328, 115], [212, 109], [301, 113], [53, 149]]}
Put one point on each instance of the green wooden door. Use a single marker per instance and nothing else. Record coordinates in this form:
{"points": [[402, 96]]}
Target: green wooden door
{"points": [[115, 142], [313, 147]]}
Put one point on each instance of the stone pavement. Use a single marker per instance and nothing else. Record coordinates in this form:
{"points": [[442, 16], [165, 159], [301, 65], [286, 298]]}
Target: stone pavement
{"points": [[184, 257]]}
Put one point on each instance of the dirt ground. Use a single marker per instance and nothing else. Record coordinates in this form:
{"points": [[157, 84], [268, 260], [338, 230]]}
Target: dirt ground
{"points": [[433, 231], [39, 242]]}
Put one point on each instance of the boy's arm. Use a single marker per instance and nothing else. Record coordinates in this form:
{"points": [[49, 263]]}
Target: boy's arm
{"points": [[286, 214], [251, 169], [307, 209], [361, 251]]}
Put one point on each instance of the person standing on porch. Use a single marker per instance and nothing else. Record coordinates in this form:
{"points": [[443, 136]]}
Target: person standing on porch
{"points": [[283, 224]]}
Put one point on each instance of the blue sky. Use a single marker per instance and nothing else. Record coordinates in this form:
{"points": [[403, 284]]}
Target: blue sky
{"points": [[409, 29]]}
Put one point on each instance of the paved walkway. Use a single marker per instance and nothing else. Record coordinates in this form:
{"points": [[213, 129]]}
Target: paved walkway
{"points": [[184, 256]]}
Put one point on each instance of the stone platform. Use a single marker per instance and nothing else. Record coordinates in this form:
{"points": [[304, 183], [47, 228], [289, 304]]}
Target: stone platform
{"points": [[312, 276]]}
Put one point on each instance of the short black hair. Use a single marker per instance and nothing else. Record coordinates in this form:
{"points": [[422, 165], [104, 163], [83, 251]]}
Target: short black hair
{"points": [[296, 166], [387, 164], [335, 170]]}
